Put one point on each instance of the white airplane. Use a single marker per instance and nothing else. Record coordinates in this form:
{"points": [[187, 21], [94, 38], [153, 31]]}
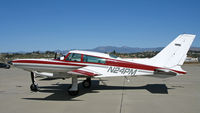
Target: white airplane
{"points": [[75, 64]]}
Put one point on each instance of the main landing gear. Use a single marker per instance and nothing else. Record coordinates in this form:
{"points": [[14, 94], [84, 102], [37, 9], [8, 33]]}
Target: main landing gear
{"points": [[73, 89], [87, 83], [33, 86]]}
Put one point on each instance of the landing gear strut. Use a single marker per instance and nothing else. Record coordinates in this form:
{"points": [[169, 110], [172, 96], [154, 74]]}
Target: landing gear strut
{"points": [[33, 86], [73, 89], [87, 83]]}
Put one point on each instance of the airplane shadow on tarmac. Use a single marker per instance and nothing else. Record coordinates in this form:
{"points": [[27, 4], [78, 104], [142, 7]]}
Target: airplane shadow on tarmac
{"points": [[60, 90]]}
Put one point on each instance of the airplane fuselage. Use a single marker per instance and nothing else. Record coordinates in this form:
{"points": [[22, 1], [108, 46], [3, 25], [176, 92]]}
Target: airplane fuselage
{"points": [[109, 66]]}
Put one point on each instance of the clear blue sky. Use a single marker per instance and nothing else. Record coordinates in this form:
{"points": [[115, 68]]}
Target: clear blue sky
{"points": [[27, 25]]}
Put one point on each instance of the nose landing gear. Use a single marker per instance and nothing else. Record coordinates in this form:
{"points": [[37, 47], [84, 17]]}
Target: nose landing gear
{"points": [[33, 86]]}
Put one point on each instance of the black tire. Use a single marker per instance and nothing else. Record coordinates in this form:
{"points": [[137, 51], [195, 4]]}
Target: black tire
{"points": [[34, 87], [86, 83], [73, 93], [8, 67], [69, 86]]}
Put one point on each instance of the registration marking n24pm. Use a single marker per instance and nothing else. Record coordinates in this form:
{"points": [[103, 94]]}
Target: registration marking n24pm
{"points": [[122, 70]]}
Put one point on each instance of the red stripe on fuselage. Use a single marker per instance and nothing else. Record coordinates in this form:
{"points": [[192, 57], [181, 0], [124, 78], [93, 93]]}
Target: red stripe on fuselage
{"points": [[84, 72], [109, 62], [45, 62], [119, 63]]}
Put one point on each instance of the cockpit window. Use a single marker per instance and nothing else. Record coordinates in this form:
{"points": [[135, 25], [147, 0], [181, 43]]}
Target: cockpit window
{"points": [[92, 59], [74, 57]]}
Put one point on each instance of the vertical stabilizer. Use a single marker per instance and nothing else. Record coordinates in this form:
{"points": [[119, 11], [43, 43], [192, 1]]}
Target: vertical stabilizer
{"points": [[175, 53]]}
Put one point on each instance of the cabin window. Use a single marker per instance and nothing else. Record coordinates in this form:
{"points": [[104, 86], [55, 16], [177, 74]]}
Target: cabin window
{"points": [[92, 59], [74, 57]]}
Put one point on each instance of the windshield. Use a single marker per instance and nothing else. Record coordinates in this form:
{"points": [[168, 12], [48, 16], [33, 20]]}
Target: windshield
{"points": [[74, 57]]}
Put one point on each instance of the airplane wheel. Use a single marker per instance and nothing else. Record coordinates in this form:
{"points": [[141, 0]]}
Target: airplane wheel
{"points": [[86, 83], [69, 86], [34, 87], [73, 93]]}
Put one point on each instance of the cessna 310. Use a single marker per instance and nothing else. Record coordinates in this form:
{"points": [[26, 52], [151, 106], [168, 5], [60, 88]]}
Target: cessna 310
{"points": [[75, 64]]}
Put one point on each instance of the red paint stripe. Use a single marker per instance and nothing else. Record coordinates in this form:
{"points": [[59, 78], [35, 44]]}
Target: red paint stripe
{"points": [[180, 72], [136, 66], [130, 65], [109, 62], [45, 62], [84, 72]]}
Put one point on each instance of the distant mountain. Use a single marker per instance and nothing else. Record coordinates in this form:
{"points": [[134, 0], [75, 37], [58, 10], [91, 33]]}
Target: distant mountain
{"points": [[123, 49]]}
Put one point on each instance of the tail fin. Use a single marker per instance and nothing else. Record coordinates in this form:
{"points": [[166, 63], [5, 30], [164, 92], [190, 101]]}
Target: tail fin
{"points": [[175, 53]]}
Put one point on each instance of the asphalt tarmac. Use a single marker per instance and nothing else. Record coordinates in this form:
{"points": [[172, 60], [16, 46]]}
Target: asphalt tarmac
{"points": [[141, 94]]}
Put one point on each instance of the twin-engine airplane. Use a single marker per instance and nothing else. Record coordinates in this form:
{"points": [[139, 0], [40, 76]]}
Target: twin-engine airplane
{"points": [[75, 64]]}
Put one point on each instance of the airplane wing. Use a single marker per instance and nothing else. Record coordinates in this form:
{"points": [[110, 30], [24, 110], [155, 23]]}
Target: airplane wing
{"points": [[103, 71], [85, 71]]}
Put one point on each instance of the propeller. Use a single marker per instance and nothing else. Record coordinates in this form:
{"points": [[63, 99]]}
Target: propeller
{"points": [[55, 55]]}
